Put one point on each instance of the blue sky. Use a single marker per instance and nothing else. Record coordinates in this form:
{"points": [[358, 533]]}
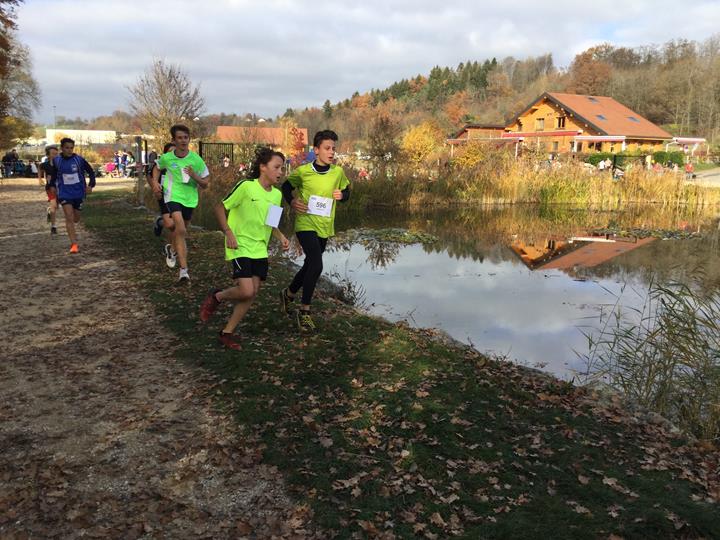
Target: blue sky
{"points": [[263, 56]]}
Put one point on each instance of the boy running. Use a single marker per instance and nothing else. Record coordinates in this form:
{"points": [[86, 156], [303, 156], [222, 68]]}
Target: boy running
{"points": [[250, 205], [68, 178], [185, 173], [45, 173], [319, 184], [164, 220]]}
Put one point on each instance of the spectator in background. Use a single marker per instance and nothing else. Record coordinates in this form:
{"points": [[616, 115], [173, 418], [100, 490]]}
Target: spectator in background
{"points": [[123, 163], [689, 171], [226, 161], [129, 164], [9, 160], [116, 160]]}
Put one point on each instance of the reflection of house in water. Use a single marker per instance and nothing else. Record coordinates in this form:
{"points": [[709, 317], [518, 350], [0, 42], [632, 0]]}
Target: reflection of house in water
{"points": [[573, 254]]}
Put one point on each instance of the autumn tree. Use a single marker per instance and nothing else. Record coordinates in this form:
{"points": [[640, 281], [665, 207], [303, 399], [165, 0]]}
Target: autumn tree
{"points": [[164, 95], [19, 91], [7, 26], [382, 144], [421, 143], [589, 74]]}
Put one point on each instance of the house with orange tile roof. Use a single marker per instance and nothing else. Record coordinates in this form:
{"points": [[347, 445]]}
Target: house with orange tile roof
{"points": [[562, 123]]}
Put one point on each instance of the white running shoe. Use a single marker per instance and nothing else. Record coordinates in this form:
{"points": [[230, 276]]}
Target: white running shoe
{"points": [[184, 276], [170, 256]]}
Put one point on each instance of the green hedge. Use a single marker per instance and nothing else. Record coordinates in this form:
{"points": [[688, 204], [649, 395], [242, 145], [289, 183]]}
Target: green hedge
{"points": [[668, 158], [662, 157]]}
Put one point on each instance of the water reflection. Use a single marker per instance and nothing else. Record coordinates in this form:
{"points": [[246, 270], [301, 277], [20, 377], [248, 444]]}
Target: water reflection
{"points": [[520, 281]]}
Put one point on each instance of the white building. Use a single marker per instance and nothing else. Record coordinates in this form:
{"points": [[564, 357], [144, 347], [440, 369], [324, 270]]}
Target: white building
{"points": [[80, 136]]}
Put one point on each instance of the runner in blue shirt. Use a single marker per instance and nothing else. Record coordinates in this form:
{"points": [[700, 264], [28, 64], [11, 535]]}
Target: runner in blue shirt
{"points": [[68, 179]]}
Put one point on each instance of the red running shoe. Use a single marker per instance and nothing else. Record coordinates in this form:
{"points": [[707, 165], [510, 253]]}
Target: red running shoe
{"points": [[209, 305], [229, 341]]}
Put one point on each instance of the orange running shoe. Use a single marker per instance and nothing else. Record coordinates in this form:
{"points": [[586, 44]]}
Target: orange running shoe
{"points": [[74, 248]]}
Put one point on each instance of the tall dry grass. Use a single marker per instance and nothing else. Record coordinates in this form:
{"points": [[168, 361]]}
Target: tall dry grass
{"points": [[665, 356], [499, 178]]}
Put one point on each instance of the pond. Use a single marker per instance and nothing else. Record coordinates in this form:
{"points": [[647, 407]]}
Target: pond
{"points": [[520, 282]]}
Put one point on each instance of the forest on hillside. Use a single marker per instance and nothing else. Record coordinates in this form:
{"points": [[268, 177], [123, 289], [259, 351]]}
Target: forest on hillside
{"points": [[675, 84]]}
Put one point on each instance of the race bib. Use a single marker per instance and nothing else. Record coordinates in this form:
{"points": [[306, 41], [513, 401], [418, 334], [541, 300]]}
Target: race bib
{"points": [[72, 178], [185, 176], [320, 206], [273, 216]]}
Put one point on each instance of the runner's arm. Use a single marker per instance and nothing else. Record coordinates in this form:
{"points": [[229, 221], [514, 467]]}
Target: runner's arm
{"points": [[230, 240], [154, 181], [287, 190], [341, 195], [91, 173], [296, 203], [202, 179], [280, 237]]}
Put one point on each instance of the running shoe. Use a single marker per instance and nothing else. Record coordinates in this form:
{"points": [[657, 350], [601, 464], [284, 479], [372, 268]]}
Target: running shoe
{"points": [[74, 248], [184, 276], [229, 341], [304, 321], [170, 256], [53, 230], [158, 227], [209, 305], [285, 300]]}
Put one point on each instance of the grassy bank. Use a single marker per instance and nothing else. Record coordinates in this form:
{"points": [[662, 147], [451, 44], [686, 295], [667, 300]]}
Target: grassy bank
{"points": [[388, 433]]}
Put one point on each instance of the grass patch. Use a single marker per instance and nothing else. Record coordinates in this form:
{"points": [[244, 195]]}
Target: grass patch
{"points": [[386, 432]]}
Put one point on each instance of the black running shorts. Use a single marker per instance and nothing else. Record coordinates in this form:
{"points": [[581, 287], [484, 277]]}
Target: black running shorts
{"points": [[184, 210], [244, 267]]}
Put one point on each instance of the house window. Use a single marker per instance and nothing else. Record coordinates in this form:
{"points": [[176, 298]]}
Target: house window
{"points": [[561, 121], [556, 146], [633, 119], [540, 124], [601, 117], [592, 99], [612, 147], [579, 147]]}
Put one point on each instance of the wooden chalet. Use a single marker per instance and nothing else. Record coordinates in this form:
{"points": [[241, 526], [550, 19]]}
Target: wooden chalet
{"points": [[562, 123]]}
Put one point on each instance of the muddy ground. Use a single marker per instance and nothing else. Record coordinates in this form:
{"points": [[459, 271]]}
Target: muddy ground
{"points": [[103, 433]]}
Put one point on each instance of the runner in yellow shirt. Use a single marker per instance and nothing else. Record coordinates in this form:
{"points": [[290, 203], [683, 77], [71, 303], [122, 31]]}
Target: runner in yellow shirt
{"points": [[253, 209], [318, 186]]}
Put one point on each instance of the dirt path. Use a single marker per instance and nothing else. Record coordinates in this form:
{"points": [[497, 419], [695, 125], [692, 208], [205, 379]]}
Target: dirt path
{"points": [[102, 432]]}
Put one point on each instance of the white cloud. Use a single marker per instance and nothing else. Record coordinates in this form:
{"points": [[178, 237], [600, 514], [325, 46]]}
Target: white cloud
{"points": [[267, 56]]}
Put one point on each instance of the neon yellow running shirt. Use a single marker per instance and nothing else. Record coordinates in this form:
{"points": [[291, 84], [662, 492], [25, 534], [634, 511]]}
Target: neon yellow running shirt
{"points": [[247, 205], [310, 182]]}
